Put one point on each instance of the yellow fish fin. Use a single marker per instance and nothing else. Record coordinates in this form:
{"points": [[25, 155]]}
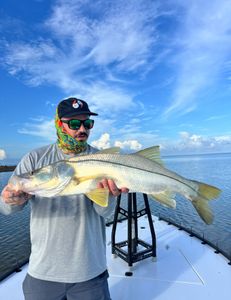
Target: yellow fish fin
{"points": [[207, 191], [203, 210], [200, 202], [152, 153], [99, 196], [112, 150], [165, 198], [77, 180]]}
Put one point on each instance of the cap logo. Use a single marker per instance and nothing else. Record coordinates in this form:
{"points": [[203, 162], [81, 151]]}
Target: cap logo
{"points": [[77, 104]]}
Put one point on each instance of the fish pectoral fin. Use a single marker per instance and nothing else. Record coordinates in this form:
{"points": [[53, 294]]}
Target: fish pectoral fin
{"points": [[85, 178], [78, 180], [99, 196], [165, 198], [152, 153]]}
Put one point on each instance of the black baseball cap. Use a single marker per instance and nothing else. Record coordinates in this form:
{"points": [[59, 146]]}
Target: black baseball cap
{"points": [[71, 107]]}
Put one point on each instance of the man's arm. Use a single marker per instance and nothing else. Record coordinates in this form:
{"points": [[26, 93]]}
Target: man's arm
{"points": [[12, 200]]}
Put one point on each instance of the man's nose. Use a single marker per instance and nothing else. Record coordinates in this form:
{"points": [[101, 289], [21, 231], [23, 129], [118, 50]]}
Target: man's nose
{"points": [[82, 128]]}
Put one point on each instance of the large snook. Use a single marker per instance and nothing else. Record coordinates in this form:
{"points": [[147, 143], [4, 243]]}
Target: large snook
{"points": [[141, 172]]}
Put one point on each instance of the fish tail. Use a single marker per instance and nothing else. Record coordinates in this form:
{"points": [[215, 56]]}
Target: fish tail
{"points": [[203, 210], [200, 202], [207, 191]]}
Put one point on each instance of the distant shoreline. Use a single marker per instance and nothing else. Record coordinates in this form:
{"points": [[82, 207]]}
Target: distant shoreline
{"points": [[7, 168]]}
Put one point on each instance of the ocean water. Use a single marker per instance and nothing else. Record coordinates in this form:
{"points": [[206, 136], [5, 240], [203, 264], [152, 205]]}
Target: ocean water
{"points": [[212, 169]]}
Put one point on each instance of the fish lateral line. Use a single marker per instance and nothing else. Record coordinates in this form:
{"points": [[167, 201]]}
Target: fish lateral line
{"points": [[132, 167]]}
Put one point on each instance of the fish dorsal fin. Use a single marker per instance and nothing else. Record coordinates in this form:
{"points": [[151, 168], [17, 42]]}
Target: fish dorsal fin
{"points": [[152, 153], [112, 150], [99, 196]]}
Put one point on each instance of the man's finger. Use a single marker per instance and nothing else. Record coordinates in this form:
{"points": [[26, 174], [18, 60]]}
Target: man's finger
{"points": [[113, 188], [124, 190], [105, 183], [99, 185]]}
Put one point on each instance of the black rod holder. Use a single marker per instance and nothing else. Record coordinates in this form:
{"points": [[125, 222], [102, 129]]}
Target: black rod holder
{"points": [[131, 214]]}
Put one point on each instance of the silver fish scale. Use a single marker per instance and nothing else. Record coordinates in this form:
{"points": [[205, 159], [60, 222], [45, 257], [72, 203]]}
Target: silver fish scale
{"points": [[132, 161], [139, 163]]}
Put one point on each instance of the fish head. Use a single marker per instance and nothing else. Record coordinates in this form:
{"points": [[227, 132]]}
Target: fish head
{"points": [[31, 181], [38, 176], [47, 181]]}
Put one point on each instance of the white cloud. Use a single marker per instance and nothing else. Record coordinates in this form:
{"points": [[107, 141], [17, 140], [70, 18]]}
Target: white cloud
{"points": [[108, 99], [203, 46], [223, 139], [188, 143], [40, 128], [103, 142], [100, 37], [2, 154], [193, 143], [81, 47], [129, 144]]}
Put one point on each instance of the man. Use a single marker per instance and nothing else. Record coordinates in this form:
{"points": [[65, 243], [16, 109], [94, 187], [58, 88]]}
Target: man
{"points": [[67, 258]]}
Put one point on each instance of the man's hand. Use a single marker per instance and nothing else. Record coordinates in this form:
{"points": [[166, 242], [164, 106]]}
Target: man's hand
{"points": [[13, 197], [112, 187]]}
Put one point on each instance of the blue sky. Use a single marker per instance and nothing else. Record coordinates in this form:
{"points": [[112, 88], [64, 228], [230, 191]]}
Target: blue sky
{"points": [[157, 72]]}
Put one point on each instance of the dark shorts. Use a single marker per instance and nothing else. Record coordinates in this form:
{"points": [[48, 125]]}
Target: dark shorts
{"points": [[94, 289]]}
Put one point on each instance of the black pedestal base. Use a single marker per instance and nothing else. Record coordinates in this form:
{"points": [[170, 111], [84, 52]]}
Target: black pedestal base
{"points": [[132, 254]]}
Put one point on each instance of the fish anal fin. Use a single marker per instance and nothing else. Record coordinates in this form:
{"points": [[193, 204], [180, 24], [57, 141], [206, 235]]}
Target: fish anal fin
{"points": [[152, 153], [165, 198], [99, 196]]}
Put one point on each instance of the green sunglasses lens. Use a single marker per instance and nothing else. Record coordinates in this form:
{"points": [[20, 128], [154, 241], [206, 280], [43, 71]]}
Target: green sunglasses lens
{"points": [[76, 124], [88, 123]]}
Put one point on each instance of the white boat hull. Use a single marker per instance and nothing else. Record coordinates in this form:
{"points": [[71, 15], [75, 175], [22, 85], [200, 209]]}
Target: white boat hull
{"points": [[184, 269]]}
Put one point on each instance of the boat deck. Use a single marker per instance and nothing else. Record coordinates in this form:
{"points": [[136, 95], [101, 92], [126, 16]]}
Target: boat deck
{"points": [[184, 269]]}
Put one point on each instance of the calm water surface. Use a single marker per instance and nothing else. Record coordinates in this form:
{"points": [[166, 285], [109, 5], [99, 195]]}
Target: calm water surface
{"points": [[213, 169]]}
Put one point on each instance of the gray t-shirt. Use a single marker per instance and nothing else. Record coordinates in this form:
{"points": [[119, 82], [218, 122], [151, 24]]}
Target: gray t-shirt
{"points": [[67, 233]]}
